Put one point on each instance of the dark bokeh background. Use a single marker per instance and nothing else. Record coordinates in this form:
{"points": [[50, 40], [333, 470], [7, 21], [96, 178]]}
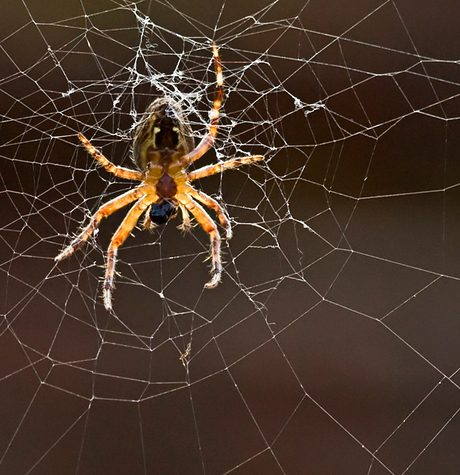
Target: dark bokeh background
{"points": [[333, 343]]}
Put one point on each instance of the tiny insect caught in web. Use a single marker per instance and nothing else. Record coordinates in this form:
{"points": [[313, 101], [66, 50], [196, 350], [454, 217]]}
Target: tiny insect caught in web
{"points": [[163, 148], [184, 356]]}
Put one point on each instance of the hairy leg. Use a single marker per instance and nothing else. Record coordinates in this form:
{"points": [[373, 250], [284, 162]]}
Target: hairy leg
{"points": [[117, 240], [209, 138], [108, 165], [220, 167], [213, 204], [105, 210], [210, 227]]}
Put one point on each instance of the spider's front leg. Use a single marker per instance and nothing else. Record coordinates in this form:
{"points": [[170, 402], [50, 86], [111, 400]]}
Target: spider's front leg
{"points": [[117, 240], [105, 210], [214, 205], [210, 227]]}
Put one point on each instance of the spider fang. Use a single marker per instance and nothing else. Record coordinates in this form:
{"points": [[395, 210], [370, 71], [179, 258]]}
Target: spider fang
{"points": [[160, 213]]}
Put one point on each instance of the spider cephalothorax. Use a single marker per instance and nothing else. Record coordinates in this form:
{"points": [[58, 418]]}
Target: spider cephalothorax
{"points": [[163, 148]]}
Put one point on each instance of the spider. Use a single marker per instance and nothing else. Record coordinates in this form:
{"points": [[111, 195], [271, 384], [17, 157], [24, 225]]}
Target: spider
{"points": [[163, 148]]}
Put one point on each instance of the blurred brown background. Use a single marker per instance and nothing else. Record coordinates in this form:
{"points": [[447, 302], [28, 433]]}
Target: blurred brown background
{"points": [[332, 344]]}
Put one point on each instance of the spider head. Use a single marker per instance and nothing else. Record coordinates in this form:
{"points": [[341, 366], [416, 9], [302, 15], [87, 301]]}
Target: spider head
{"points": [[162, 134], [161, 212]]}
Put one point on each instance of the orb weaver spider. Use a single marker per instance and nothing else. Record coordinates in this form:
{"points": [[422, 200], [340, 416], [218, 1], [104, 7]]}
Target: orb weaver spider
{"points": [[163, 148]]}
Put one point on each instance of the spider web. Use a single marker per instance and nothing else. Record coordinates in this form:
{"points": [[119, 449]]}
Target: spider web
{"points": [[332, 344]]}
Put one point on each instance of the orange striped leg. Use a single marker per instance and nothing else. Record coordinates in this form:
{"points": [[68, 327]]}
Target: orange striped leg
{"points": [[108, 165], [213, 204], [117, 240], [210, 227], [220, 167], [208, 139], [105, 210]]}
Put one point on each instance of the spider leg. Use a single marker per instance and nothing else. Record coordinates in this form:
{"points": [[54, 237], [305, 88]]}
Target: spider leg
{"points": [[210, 227], [108, 165], [213, 204], [117, 240], [220, 167], [209, 138], [105, 210]]}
